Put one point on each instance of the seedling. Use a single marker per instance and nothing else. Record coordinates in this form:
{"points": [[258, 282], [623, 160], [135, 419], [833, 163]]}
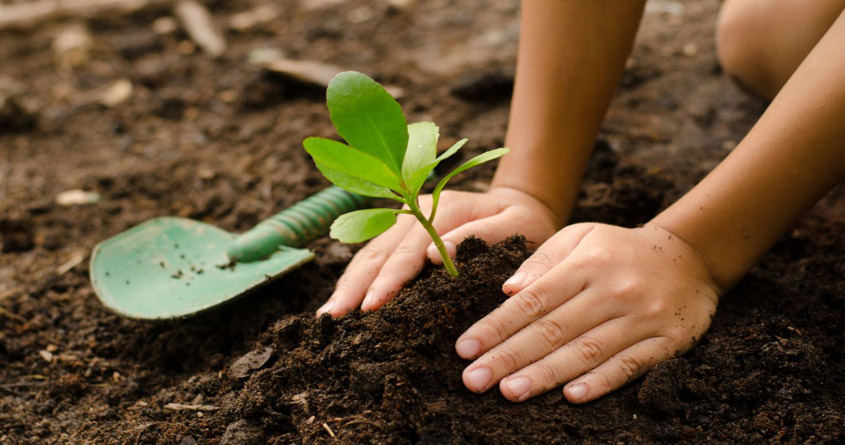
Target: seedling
{"points": [[385, 158]]}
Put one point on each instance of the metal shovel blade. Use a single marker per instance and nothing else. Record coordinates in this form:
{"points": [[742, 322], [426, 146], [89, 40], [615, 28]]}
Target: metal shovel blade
{"points": [[172, 267]]}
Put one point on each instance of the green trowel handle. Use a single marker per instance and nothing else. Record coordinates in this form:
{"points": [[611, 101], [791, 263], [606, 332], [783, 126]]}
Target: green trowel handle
{"points": [[296, 225]]}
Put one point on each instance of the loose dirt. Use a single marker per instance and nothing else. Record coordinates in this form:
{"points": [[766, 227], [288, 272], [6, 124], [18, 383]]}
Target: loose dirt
{"points": [[219, 140]]}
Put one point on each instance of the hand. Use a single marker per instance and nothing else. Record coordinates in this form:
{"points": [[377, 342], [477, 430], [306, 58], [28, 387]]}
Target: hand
{"points": [[389, 261], [595, 306]]}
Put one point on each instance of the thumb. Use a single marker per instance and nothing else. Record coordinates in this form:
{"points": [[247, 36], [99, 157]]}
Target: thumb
{"points": [[547, 256], [491, 230]]}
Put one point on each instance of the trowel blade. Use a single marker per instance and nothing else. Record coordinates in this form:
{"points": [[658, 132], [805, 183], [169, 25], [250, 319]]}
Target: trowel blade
{"points": [[172, 267]]}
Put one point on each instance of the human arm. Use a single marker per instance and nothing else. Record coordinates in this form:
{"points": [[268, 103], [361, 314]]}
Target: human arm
{"points": [[598, 305], [571, 56]]}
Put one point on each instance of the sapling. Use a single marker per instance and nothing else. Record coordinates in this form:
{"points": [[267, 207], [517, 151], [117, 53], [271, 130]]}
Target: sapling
{"points": [[385, 158]]}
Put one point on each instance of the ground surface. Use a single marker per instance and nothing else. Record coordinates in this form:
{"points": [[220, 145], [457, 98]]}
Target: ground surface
{"points": [[218, 140]]}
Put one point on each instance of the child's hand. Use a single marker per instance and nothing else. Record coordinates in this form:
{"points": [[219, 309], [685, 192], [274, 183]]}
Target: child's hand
{"points": [[595, 306], [384, 265]]}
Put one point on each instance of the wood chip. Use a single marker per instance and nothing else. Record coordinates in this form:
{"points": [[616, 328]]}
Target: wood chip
{"points": [[328, 429], [315, 73], [249, 362], [183, 407], [30, 13], [75, 260], [245, 21], [199, 25], [46, 355], [77, 197]]}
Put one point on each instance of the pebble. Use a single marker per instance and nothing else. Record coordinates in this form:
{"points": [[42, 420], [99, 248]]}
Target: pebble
{"points": [[117, 93], [72, 46]]}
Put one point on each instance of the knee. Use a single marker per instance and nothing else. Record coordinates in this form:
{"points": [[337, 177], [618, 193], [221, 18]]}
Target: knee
{"points": [[741, 48]]}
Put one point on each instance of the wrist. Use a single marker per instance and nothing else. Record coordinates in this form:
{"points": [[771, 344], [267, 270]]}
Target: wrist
{"points": [[718, 267], [558, 212]]}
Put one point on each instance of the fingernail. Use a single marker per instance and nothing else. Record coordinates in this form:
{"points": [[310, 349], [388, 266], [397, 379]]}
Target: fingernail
{"points": [[468, 348], [519, 387], [516, 279], [325, 308], [577, 392], [369, 300], [478, 379]]}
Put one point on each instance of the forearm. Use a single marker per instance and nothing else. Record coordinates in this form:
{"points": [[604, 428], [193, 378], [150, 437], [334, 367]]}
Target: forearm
{"points": [[790, 159], [571, 54]]}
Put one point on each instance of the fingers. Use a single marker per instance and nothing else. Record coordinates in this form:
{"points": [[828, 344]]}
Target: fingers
{"points": [[619, 370], [404, 263], [364, 268], [532, 303], [552, 252], [581, 314], [571, 360]]}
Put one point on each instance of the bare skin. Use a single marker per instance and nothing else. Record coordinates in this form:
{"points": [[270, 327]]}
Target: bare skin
{"points": [[598, 305]]}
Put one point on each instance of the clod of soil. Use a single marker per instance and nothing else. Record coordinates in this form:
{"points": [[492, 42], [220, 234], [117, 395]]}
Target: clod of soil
{"points": [[392, 376]]}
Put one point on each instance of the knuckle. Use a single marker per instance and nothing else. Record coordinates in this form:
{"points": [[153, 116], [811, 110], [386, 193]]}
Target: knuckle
{"points": [[492, 327], [447, 195], [655, 307], [344, 283], [630, 287], [371, 253], [597, 257], [531, 302], [601, 380], [588, 349], [406, 249], [550, 332], [678, 339], [540, 259], [507, 358], [631, 366], [549, 374]]}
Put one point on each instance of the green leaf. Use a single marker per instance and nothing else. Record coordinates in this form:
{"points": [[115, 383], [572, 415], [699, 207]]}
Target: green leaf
{"points": [[361, 225], [345, 159], [418, 179], [419, 158], [355, 185], [480, 159], [368, 118], [452, 150]]}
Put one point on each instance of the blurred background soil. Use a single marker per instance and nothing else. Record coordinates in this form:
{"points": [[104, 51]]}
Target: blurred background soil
{"points": [[109, 117]]}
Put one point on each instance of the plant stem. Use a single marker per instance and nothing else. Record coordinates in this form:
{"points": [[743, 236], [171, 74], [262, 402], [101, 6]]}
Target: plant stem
{"points": [[438, 242]]}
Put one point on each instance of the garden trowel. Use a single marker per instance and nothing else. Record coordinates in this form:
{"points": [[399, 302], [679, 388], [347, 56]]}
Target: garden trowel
{"points": [[171, 267]]}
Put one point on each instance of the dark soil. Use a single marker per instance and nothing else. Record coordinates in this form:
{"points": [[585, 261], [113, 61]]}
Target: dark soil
{"points": [[218, 140]]}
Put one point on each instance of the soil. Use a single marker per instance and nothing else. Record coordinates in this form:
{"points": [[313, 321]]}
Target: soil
{"points": [[219, 140]]}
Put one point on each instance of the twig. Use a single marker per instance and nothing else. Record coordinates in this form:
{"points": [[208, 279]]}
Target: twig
{"points": [[74, 261], [182, 407], [329, 429], [198, 23], [12, 315], [28, 14]]}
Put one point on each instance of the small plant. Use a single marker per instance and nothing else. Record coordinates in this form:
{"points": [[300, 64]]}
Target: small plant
{"points": [[385, 158]]}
